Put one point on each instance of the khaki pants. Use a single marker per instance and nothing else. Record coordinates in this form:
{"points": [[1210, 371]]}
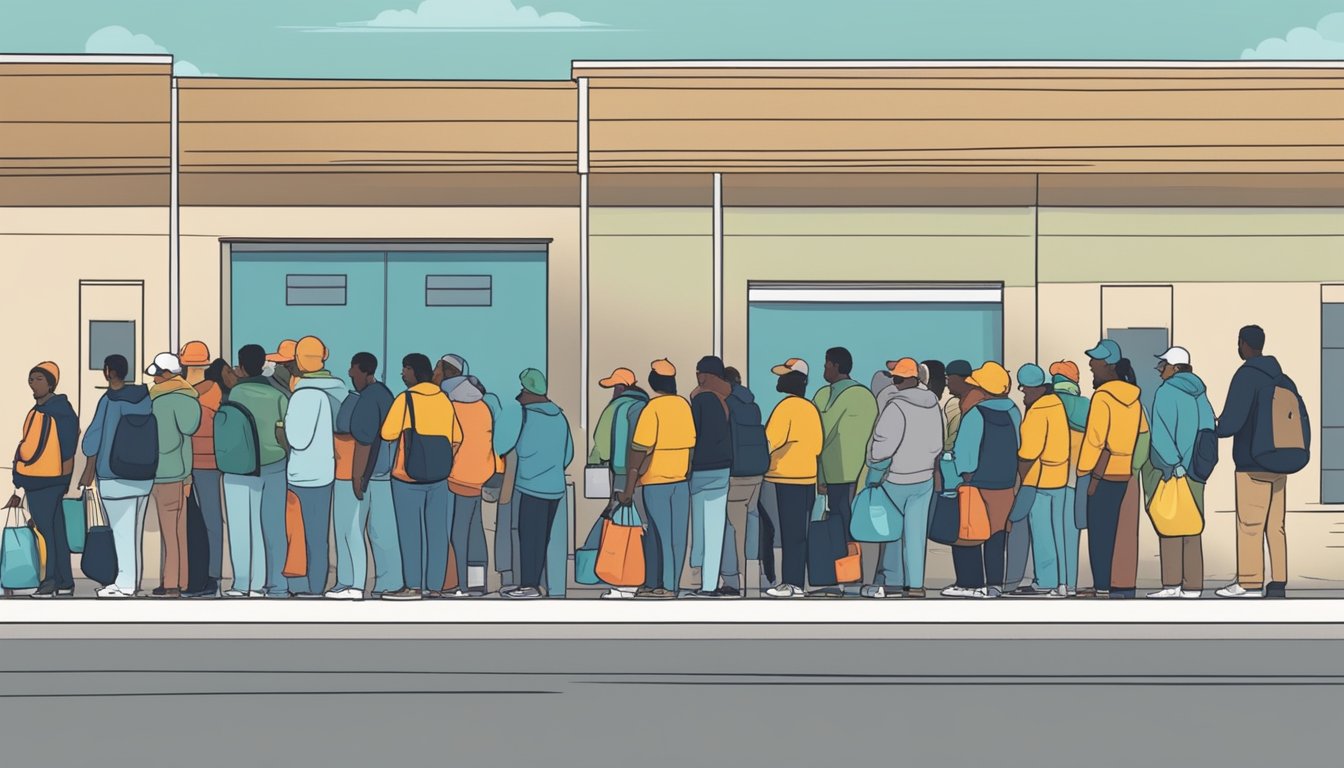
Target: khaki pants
{"points": [[1182, 562], [171, 501], [743, 493], [1261, 511]]}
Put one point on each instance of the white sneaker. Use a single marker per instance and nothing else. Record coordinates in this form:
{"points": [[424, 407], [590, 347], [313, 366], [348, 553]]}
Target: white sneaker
{"points": [[457, 594], [616, 594], [955, 591], [1057, 594], [876, 591], [1236, 590], [237, 593], [1073, 592], [785, 591], [1191, 594], [111, 590], [1165, 593], [345, 594], [988, 593]]}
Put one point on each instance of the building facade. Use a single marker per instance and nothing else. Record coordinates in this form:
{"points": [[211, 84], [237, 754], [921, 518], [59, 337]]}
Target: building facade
{"points": [[1012, 211]]}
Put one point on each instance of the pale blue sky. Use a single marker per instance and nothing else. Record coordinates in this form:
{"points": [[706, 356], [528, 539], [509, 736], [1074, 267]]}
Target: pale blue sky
{"points": [[538, 38]]}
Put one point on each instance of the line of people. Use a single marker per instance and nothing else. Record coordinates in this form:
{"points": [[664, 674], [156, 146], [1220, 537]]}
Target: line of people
{"points": [[699, 469], [280, 455]]}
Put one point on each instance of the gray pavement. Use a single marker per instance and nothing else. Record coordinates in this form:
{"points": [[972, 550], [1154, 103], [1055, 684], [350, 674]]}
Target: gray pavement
{"points": [[828, 695]]}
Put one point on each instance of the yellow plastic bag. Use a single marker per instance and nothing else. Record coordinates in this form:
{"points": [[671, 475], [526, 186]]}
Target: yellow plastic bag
{"points": [[1173, 509]]}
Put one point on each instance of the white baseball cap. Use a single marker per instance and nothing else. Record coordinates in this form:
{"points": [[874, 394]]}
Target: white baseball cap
{"points": [[1175, 356], [164, 362], [792, 365]]}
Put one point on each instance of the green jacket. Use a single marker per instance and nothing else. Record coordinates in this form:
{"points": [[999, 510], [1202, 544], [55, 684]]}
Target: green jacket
{"points": [[848, 413], [267, 406], [178, 414], [601, 452]]}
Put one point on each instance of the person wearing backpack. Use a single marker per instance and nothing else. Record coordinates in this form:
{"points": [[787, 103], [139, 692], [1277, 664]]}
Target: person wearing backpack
{"points": [[424, 424], [177, 413], [121, 451], [711, 467], [1182, 419], [250, 451], [43, 465], [794, 436], [626, 406], [848, 412], [751, 459], [1271, 439], [311, 469], [545, 448], [985, 458], [1115, 424]]}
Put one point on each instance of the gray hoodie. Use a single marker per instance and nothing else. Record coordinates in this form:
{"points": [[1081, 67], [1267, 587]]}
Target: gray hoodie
{"points": [[909, 431], [463, 389]]}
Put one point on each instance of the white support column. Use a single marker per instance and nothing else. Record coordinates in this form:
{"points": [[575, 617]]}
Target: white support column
{"points": [[174, 234], [718, 265], [583, 260]]}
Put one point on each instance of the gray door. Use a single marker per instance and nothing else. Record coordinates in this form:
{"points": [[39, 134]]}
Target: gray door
{"points": [[1332, 408], [1142, 346]]}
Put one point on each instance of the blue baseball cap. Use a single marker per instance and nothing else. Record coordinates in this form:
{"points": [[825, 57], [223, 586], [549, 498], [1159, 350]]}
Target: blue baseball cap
{"points": [[1106, 351], [1030, 375]]}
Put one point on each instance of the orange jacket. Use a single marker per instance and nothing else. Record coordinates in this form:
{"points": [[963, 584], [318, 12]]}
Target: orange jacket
{"points": [[210, 398], [475, 460]]}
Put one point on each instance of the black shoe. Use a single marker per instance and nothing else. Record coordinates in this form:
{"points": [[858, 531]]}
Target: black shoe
{"points": [[159, 592], [728, 592], [1027, 591], [701, 594], [1277, 589], [44, 591]]}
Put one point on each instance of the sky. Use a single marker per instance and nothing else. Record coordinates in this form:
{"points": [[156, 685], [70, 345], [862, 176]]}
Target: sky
{"points": [[537, 39]]}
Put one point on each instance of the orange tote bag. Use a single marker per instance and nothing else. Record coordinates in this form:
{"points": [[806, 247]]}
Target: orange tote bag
{"points": [[296, 557], [974, 515], [620, 556], [849, 569]]}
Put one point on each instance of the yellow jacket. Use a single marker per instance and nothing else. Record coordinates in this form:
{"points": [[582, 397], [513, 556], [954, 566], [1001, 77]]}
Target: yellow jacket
{"points": [[1114, 422], [794, 436], [1045, 443], [434, 415]]}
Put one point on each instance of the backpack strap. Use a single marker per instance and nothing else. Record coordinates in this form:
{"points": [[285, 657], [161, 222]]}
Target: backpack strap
{"points": [[410, 407]]}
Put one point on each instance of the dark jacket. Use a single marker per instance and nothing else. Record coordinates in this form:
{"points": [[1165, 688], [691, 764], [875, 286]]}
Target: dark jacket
{"points": [[1238, 418], [751, 452], [67, 431], [713, 436]]}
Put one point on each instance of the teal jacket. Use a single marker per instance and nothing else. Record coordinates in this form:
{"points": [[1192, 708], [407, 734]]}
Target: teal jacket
{"points": [[624, 418], [1075, 405], [1181, 408], [966, 453], [545, 447]]}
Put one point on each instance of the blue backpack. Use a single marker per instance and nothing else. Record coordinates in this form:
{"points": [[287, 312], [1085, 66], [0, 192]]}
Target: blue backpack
{"points": [[997, 469]]}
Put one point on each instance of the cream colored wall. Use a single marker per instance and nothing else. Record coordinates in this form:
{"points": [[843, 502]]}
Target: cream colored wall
{"points": [[44, 254], [1226, 269]]}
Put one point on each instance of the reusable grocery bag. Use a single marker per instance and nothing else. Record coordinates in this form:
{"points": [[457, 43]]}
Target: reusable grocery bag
{"points": [[849, 569], [99, 561], [974, 515], [73, 511], [620, 557], [585, 557], [826, 544], [945, 519], [875, 517], [20, 561], [1173, 509], [296, 554]]}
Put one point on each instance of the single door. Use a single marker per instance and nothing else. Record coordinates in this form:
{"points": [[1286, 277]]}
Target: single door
{"points": [[1142, 346], [111, 322], [337, 297], [873, 332], [487, 306]]}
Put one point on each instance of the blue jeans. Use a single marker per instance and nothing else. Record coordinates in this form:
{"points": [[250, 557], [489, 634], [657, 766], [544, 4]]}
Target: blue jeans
{"points": [[383, 539], [1103, 521], [1071, 533], [669, 508], [315, 504], [913, 500], [468, 536], [206, 487], [424, 518], [709, 511], [350, 517], [255, 507], [1046, 511]]}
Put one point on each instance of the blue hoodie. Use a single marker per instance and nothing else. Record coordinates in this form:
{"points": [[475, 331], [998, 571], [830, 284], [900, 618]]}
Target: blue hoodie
{"points": [[1181, 408], [508, 420], [130, 400], [544, 449]]}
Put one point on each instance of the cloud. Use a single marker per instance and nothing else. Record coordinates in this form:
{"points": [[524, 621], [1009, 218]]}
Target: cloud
{"points": [[117, 39], [1324, 41], [447, 15]]}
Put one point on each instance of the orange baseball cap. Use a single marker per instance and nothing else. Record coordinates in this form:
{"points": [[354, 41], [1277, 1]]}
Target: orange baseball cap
{"points": [[285, 353], [1066, 368], [310, 353], [792, 365], [663, 367], [194, 353], [623, 377], [906, 368]]}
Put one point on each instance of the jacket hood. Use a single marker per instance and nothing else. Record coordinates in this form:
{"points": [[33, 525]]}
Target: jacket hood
{"points": [[1188, 383], [1067, 387], [547, 408], [175, 384], [1003, 404], [58, 405], [463, 389], [131, 393], [1265, 364], [635, 393], [742, 393], [332, 387], [915, 397], [1126, 393]]}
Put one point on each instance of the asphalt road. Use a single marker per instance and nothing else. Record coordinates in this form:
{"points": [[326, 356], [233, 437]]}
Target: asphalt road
{"points": [[826, 701]]}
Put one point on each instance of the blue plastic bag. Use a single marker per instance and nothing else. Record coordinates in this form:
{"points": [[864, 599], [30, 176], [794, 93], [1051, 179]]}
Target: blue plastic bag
{"points": [[585, 557], [875, 517], [18, 557], [73, 509]]}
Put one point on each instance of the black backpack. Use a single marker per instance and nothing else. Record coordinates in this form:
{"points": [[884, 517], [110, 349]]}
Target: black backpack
{"points": [[997, 469], [428, 458], [751, 452], [135, 447]]}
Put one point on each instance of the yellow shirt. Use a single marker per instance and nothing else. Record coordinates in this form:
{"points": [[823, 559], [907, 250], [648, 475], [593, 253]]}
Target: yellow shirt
{"points": [[1046, 444], [794, 436], [1114, 422], [666, 429], [434, 415]]}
